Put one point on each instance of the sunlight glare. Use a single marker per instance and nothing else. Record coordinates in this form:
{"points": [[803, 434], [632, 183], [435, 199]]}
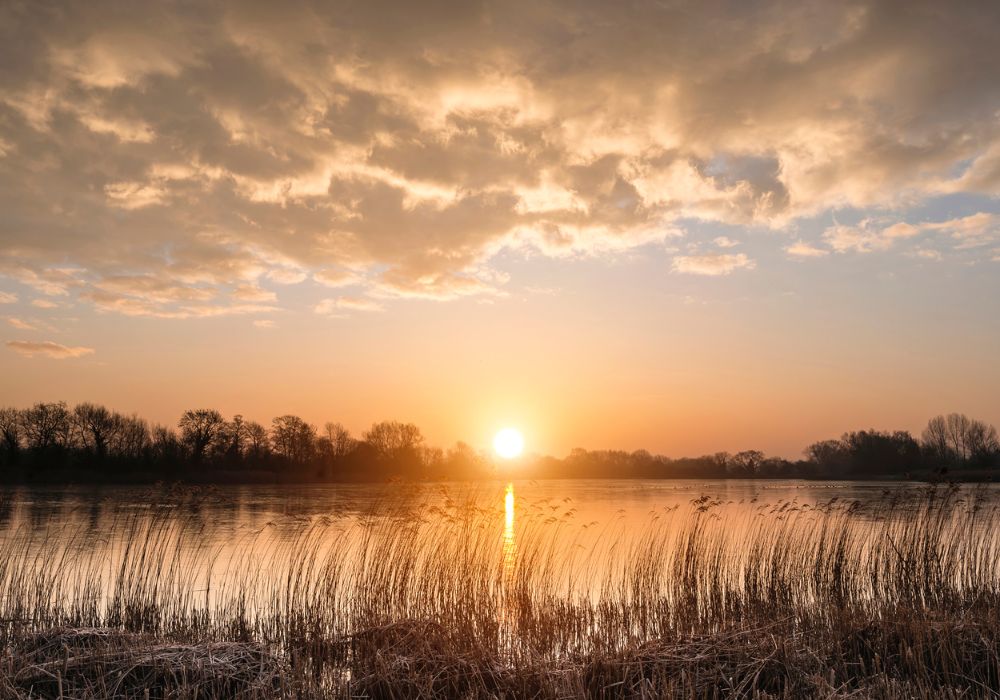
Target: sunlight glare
{"points": [[508, 443]]}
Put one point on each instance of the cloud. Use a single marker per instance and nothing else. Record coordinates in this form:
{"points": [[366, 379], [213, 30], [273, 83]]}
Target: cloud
{"points": [[968, 232], [337, 278], [801, 249], [264, 323], [927, 254], [44, 304], [20, 324], [7, 298], [249, 292], [859, 239], [725, 242], [205, 148], [329, 307], [712, 265], [47, 348]]}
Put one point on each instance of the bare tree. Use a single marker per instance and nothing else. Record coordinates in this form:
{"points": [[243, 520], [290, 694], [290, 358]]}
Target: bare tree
{"points": [[96, 426], [956, 436], [10, 431], [341, 442], [957, 429], [257, 440], [166, 446], [199, 430], [234, 437], [746, 463], [46, 425], [293, 438], [982, 441], [935, 437], [132, 437], [391, 438]]}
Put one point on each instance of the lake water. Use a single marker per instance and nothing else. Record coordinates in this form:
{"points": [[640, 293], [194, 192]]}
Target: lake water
{"points": [[228, 511], [256, 547]]}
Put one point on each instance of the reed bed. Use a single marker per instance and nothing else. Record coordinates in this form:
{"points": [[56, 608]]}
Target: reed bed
{"points": [[429, 594]]}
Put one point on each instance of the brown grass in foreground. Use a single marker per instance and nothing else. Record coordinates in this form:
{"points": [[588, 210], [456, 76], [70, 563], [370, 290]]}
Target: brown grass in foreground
{"points": [[899, 600]]}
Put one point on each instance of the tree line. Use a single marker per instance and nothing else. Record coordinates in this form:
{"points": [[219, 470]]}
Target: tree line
{"points": [[50, 442]]}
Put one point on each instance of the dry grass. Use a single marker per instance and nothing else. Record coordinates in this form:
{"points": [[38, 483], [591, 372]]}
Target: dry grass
{"points": [[412, 600]]}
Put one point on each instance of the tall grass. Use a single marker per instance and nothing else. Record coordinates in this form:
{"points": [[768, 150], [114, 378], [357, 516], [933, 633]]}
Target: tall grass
{"points": [[436, 595]]}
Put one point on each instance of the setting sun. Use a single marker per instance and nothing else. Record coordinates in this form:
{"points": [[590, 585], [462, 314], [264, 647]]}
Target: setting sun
{"points": [[509, 443]]}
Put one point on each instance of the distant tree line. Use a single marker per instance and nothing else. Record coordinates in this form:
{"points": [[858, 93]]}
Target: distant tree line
{"points": [[51, 442]]}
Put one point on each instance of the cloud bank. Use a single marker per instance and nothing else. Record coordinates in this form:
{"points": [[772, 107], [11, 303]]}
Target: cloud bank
{"points": [[167, 160]]}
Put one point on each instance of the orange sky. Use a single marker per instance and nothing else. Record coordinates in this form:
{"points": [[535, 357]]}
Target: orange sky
{"points": [[676, 228]]}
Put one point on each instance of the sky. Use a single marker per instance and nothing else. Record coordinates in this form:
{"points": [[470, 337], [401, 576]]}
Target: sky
{"points": [[685, 227]]}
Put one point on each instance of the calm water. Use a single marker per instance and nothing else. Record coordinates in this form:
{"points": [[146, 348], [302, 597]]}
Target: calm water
{"points": [[226, 511], [212, 539]]}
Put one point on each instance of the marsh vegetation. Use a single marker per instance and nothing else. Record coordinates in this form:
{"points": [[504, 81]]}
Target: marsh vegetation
{"points": [[431, 592]]}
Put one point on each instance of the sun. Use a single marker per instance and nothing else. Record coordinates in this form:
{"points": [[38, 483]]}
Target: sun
{"points": [[509, 443]]}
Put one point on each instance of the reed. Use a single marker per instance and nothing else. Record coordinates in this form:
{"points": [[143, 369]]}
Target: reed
{"points": [[433, 594]]}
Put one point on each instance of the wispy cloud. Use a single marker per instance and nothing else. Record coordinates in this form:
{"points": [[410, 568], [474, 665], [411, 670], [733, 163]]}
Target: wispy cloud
{"points": [[328, 307], [337, 278], [47, 348], [712, 265], [7, 298], [20, 324], [870, 235], [801, 249]]}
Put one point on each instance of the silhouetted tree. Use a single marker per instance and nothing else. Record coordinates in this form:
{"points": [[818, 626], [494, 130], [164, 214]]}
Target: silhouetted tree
{"points": [[96, 426], [957, 438], [746, 463], [166, 448], [10, 433], [199, 430], [397, 446], [46, 425], [131, 439], [829, 456], [341, 442], [293, 438], [258, 442]]}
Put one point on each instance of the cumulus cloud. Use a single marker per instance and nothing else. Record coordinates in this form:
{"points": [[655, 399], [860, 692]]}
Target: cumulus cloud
{"points": [[47, 348], [155, 158], [713, 265]]}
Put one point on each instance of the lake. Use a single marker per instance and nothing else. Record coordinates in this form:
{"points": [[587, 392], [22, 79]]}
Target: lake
{"points": [[217, 547]]}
